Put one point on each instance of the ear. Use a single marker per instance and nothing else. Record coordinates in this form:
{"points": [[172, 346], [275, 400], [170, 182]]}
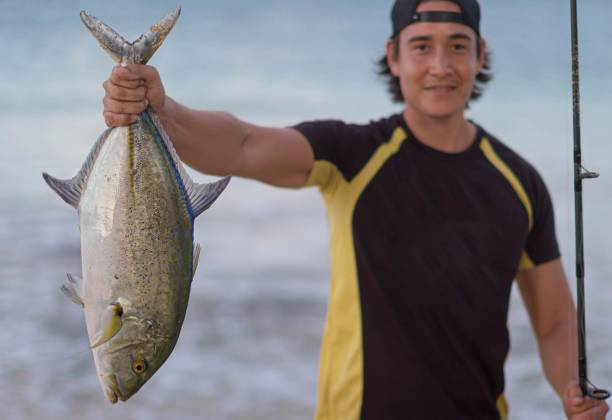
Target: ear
{"points": [[392, 57], [483, 53]]}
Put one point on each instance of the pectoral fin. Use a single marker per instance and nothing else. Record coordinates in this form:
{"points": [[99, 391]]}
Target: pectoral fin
{"points": [[110, 324], [73, 289]]}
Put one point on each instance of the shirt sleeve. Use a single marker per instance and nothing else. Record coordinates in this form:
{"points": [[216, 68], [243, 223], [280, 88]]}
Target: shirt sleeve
{"points": [[338, 150], [542, 243]]}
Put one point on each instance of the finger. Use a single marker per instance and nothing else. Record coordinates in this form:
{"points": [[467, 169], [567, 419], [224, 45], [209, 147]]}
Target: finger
{"points": [[120, 93], [142, 71], [129, 84], [119, 107], [134, 72], [573, 390], [117, 120], [598, 412], [583, 404], [130, 72]]}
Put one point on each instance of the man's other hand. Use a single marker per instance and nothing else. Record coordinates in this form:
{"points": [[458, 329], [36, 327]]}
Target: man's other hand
{"points": [[578, 407]]}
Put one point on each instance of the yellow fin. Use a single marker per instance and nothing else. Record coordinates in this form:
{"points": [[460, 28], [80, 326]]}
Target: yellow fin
{"points": [[110, 324]]}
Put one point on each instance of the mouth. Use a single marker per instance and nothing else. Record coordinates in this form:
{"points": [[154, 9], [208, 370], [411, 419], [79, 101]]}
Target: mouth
{"points": [[113, 390], [111, 395], [440, 88]]}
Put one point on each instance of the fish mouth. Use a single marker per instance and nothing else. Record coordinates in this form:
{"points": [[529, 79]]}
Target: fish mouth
{"points": [[113, 390]]}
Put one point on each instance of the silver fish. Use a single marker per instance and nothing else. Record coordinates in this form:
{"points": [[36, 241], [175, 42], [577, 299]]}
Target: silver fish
{"points": [[136, 207]]}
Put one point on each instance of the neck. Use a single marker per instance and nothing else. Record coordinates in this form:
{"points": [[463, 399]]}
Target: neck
{"points": [[450, 134]]}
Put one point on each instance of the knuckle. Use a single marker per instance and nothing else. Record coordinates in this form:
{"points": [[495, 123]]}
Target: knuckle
{"points": [[121, 94], [131, 107], [109, 119]]}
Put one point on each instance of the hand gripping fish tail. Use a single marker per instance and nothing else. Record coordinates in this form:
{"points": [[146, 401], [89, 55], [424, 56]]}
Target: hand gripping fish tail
{"points": [[137, 206], [124, 52]]}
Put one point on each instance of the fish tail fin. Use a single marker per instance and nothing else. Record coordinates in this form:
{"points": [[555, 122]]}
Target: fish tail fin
{"points": [[146, 45], [124, 52], [114, 44]]}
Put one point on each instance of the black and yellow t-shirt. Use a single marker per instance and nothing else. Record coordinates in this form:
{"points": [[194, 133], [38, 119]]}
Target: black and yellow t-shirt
{"points": [[425, 246]]}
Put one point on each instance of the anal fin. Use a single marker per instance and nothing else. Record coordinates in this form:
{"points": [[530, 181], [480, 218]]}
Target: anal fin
{"points": [[70, 190]]}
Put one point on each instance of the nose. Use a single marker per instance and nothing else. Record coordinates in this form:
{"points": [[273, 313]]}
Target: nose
{"points": [[440, 63]]}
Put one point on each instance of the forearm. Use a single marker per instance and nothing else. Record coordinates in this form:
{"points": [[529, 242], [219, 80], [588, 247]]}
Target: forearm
{"points": [[208, 141], [558, 351]]}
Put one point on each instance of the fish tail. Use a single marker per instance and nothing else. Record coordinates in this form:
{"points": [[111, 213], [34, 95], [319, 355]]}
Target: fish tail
{"points": [[124, 52]]}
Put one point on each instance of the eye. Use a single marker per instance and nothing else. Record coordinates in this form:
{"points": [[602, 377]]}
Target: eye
{"points": [[139, 366], [459, 47]]}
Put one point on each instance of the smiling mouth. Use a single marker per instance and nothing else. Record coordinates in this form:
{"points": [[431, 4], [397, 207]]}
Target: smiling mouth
{"points": [[440, 88]]}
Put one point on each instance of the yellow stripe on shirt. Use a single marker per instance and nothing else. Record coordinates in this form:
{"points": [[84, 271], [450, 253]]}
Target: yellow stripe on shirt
{"points": [[501, 166], [340, 391]]}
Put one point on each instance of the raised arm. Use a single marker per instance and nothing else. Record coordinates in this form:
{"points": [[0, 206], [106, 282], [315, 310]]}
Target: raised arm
{"points": [[212, 142]]}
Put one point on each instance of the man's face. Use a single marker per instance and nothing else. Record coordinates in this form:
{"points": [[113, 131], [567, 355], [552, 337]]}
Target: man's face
{"points": [[437, 63]]}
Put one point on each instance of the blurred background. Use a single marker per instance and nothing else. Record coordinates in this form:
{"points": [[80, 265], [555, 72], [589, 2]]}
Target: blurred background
{"points": [[249, 346]]}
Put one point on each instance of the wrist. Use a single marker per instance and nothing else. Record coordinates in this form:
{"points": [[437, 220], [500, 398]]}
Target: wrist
{"points": [[166, 112]]}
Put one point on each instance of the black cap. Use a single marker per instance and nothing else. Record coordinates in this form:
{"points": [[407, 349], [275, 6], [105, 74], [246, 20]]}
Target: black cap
{"points": [[404, 13]]}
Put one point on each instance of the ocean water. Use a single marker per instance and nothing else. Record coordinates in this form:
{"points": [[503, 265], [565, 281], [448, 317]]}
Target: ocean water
{"points": [[249, 346]]}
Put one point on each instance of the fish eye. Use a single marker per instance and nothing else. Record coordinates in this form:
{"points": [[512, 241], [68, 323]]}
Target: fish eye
{"points": [[139, 366]]}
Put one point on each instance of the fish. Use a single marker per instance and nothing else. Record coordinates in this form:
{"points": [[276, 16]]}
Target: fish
{"points": [[136, 207]]}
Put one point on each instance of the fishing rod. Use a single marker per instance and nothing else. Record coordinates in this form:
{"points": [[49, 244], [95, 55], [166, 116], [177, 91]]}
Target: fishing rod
{"points": [[580, 173]]}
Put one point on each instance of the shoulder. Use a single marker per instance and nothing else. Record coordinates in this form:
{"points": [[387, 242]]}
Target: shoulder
{"points": [[380, 129], [348, 146], [519, 165]]}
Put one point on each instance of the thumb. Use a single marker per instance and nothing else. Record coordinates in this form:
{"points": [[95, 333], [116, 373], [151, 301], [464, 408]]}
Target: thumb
{"points": [[141, 71]]}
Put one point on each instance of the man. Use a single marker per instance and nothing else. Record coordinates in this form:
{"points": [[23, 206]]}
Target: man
{"points": [[431, 219]]}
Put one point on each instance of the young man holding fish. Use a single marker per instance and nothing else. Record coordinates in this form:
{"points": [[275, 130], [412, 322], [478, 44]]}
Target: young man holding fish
{"points": [[431, 220]]}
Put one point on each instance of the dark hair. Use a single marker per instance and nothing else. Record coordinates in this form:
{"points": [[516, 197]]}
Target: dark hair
{"points": [[393, 84]]}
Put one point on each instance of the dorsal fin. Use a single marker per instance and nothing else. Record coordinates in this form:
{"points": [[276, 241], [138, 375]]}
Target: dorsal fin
{"points": [[196, 260], [200, 196], [124, 52]]}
